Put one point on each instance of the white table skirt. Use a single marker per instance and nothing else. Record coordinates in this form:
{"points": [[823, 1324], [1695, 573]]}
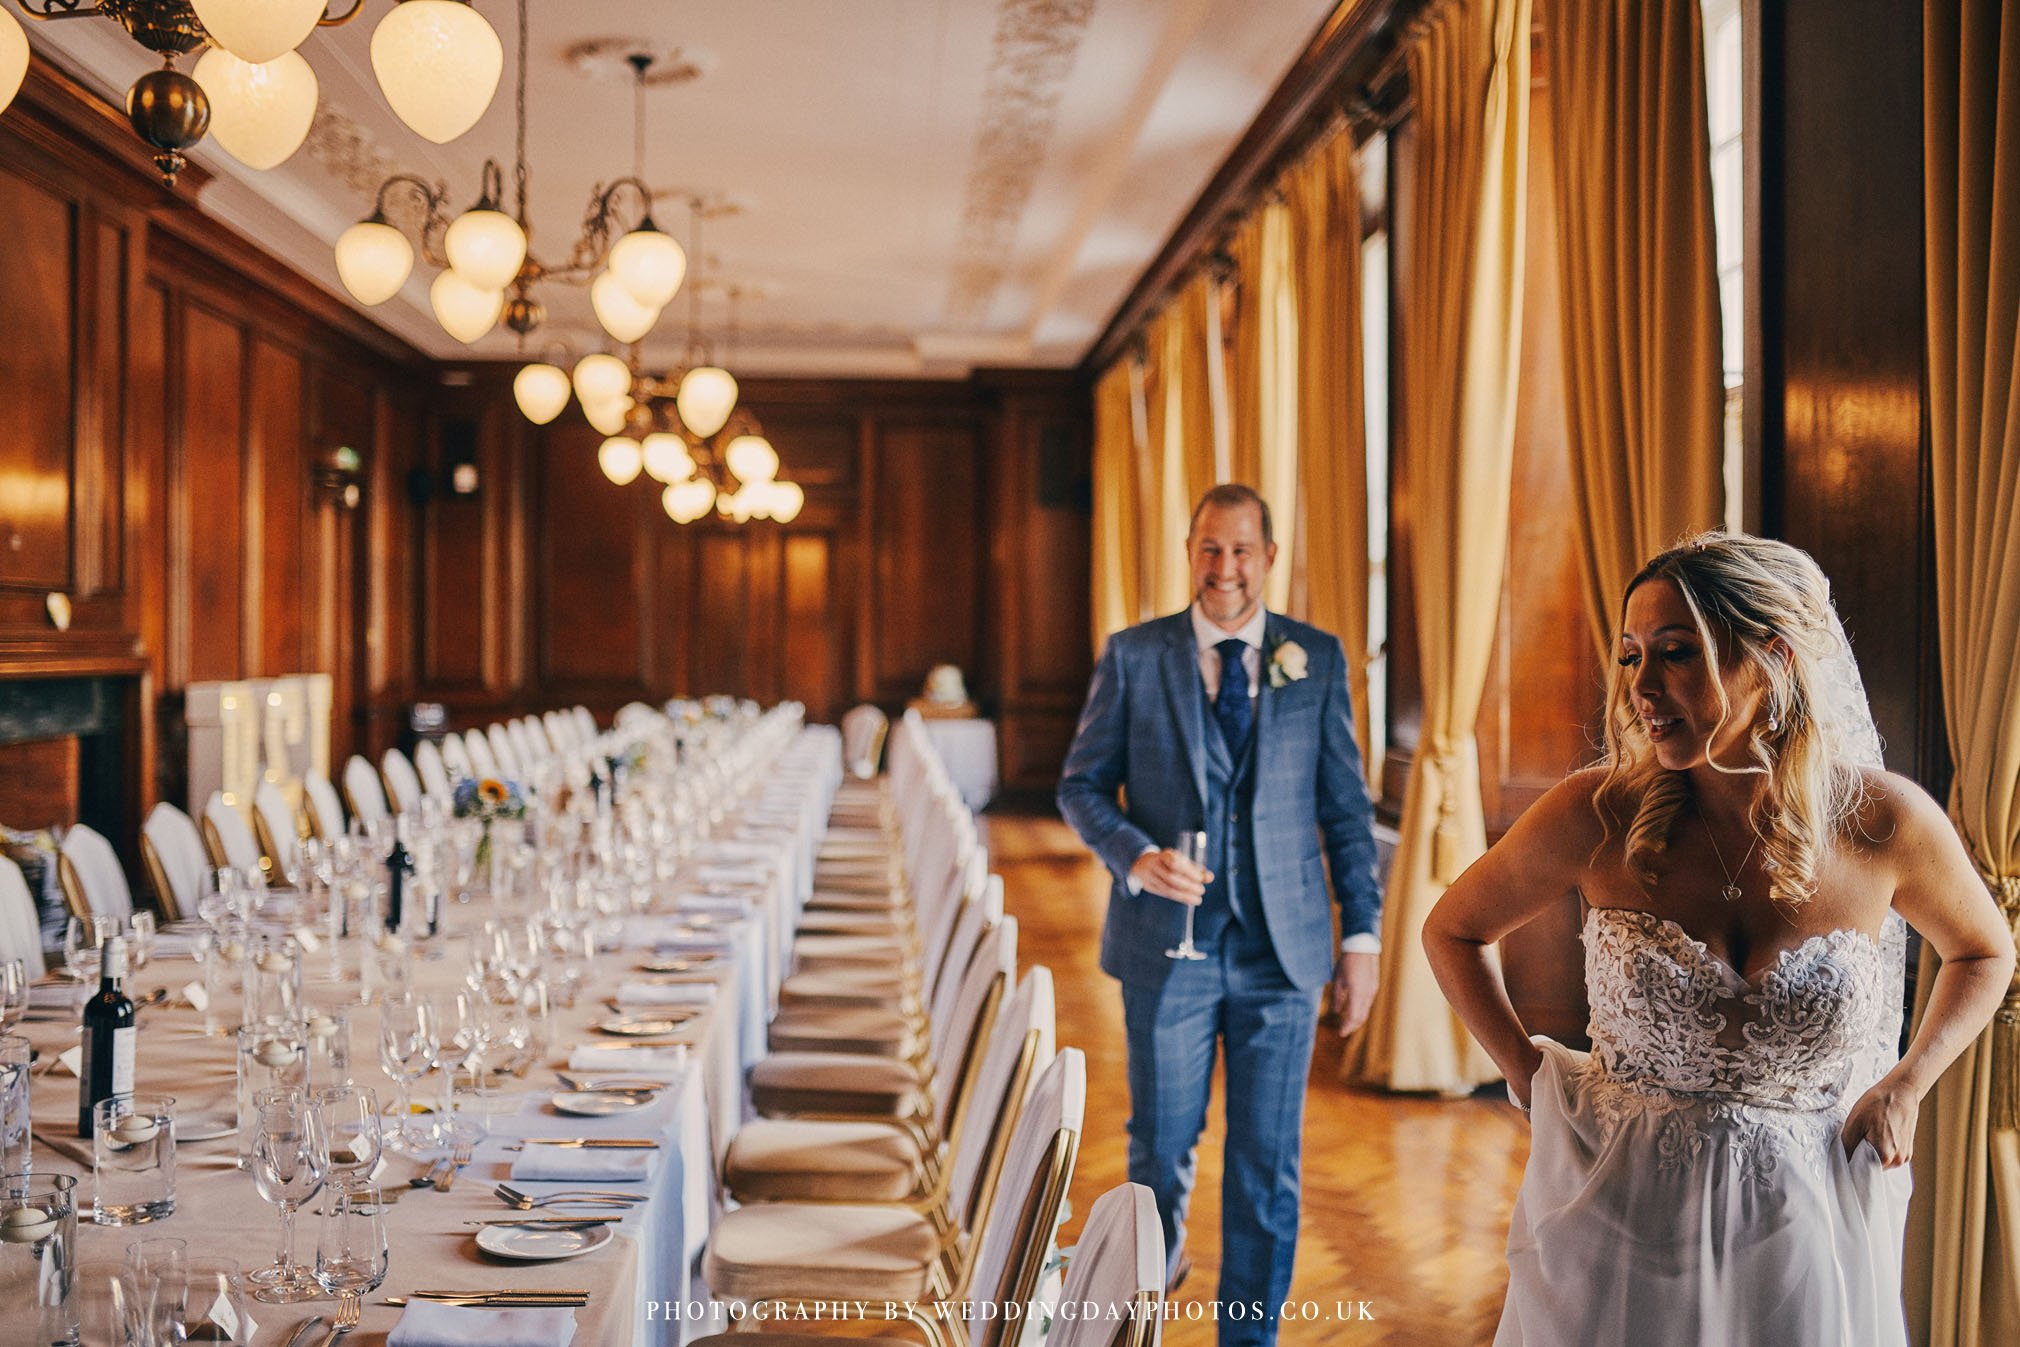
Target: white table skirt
{"points": [[968, 748]]}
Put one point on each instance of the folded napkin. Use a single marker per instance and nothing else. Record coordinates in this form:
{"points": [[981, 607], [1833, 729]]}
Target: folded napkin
{"points": [[594, 1164], [52, 996], [426, 1323], [694, 994], [629, 1060]]}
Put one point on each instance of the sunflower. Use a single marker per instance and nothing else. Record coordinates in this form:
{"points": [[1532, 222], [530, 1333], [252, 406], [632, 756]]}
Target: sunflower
{"points": [[492, 791]]}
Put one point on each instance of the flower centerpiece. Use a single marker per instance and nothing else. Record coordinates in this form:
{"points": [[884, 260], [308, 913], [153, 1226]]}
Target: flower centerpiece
{"points": [[489, 799]]}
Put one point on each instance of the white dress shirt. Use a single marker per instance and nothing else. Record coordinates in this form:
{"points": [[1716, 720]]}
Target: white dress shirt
{"points": [[1207, 638]]}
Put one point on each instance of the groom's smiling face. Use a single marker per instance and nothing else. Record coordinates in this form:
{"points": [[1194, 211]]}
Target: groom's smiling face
{"points": [[1230, 560]]}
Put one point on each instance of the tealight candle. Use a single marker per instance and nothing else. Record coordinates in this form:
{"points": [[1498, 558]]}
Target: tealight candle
{"points": [[273, 961], [234, 950], [27, 1225], [276, 1054], [135, 1129], [321, 1027]]}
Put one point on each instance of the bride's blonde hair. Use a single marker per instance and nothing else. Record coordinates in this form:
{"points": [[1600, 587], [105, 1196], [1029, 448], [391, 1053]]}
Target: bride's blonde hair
{"points": [[1743, 593]]}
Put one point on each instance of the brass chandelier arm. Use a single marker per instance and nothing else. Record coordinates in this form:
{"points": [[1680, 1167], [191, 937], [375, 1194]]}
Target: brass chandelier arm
{"points": [[601, 223], [330, 20], [434, 201], [44, 10]]}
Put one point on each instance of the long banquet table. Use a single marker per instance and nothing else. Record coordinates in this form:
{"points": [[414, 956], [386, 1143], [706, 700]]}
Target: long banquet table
{"points": [[740, 891]]}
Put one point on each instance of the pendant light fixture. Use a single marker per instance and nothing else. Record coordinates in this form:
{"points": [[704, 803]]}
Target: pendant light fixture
{"points": [[438, 64], [258, 31], [13, 58], [620, 458], [485, 246], [259, 113], [541, 390], [465, 311]]}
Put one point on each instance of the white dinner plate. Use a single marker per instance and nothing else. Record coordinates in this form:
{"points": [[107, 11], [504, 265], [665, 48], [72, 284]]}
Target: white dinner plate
{"points": [[538, 1244], [690, 963], [598, 1104], [642, 1026], [204, 1127]]}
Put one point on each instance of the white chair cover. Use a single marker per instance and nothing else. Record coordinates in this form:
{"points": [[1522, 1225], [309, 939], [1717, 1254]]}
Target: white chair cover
{"points": [[483, 762], [585, 725], [367, 793], [504, 753], [560, 731], [524, 747], [20, 928], [235, 840], [97, 869], [325, 810], [434, 773], [863, 730], [1051, 1119], [403, 783], [178, 847], [1117, 1268], [282, 831], [456, 756], [1031, 1012]]}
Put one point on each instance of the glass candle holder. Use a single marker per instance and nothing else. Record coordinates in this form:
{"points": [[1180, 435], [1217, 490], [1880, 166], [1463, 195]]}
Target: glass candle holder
{"points": [[38, 1255], [133, 1159], [270, 1057]]}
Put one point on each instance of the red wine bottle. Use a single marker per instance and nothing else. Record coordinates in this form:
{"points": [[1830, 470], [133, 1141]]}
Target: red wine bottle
{"points": [[109, 1034]]}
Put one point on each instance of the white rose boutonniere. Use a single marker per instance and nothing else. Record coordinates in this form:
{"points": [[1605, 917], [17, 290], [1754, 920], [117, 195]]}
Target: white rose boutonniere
{"points": [[1288, 664]]}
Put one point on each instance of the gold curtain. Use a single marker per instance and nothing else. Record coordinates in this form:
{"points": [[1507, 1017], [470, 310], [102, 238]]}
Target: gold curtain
{"points": [[1469, 69], [1963, 1264], [1324, 218], [1118, 581], [1181, 428], [1644, 395], [1264, 380]]}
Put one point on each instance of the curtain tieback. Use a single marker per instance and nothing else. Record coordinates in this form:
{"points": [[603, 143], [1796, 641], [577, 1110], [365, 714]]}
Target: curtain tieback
{"points": [[2006, 1022], [1445, 837]]}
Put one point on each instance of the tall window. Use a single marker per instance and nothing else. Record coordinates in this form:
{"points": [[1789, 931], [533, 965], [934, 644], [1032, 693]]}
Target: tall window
{"points": [[1374, 162], [1722, 75]]}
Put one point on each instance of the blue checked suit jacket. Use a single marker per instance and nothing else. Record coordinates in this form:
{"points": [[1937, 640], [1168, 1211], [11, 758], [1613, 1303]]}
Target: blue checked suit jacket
{"points": [[1143, 732]]}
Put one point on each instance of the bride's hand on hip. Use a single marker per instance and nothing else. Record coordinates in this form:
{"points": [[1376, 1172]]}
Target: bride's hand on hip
{"points": [[1885, 1115]]}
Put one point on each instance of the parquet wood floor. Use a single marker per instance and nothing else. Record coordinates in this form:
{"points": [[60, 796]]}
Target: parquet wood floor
{"points": [[1406, 1201]]}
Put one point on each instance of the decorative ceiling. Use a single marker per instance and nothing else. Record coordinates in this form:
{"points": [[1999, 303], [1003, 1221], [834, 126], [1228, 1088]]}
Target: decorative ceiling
{"points": [[916, 187]]}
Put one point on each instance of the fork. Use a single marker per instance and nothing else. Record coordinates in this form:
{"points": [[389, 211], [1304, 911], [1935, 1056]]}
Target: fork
{"points": [[349, 1309], [512, 1197], [456, 1162]]}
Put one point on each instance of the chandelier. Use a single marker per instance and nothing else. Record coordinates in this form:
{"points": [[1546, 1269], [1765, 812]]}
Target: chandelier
{"points": [[632, 273], [437, 63], [684, 429]]}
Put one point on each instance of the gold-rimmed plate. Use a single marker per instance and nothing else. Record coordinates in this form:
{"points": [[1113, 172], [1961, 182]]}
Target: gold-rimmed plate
{"points": [[640, 1027], [691, 963]]}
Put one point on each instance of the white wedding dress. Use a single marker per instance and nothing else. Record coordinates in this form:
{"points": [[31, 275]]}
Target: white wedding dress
{"points": [[1686, 1182]]}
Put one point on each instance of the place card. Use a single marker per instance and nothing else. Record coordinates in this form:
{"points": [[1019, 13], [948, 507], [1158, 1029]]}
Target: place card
{"points": [[72, 1060], [308, 940], [198, 998]]}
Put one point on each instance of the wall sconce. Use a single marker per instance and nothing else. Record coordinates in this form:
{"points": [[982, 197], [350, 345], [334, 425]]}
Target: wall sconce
{"points": [[339, 474]]}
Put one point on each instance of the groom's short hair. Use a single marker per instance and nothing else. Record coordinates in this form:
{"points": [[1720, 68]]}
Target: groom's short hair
{"points": [[1229, 495]]}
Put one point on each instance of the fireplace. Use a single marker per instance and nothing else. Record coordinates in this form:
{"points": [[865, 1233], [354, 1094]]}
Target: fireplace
{"points": [[66, 753]]}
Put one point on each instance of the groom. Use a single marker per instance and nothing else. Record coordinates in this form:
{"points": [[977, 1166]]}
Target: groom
{"points": [[1235, 721]]}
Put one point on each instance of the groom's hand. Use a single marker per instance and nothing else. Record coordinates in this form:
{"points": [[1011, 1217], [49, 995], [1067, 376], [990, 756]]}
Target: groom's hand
{"points": [[1355, 978], [1170, 875]]}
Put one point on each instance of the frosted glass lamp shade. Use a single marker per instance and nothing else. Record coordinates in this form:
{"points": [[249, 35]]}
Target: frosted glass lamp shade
{"points": [[465, 312], [706, 398], [752, 458], [688, 501], [624, 318], [256, 31], [541, 391], [620, 459], [667, 459], [438, 64], [649, 265], [259, 113], [601, 377], [787, 501], [608, 415], [485, 248], [13, 58], [374, 260]]}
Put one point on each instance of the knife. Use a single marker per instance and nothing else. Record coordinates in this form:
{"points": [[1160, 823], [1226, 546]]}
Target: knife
{"points": [[615, 1143]]}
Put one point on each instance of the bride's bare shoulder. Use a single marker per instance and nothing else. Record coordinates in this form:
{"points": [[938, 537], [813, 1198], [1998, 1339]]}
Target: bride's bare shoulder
{"points": [[1896, 820], [1565, 817]]}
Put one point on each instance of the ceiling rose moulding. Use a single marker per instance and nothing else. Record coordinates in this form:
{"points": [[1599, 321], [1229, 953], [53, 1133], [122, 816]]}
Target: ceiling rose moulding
{"points": [[1035, 46]]}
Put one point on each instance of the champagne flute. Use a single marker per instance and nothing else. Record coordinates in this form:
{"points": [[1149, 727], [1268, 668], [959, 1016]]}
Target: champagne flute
{"points": [[289, 1163], [1192, 847], [407, 1041]]}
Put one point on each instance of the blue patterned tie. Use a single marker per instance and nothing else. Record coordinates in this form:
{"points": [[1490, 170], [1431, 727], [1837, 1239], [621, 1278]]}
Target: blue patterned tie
{"points": [[1232, 707]]}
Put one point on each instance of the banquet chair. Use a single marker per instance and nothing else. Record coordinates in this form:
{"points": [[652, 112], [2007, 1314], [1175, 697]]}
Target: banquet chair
{"points": [[171, 850], [529, 742], [402, 782], [827, 1160], [226, 836], [20, 923], [363, 790], [847, 971], [456, 756], [434, 773], [90, 876], [585, 724], [560, 731], [324, 810], [277, 832], [796, 1253], [483, 762], [503, 753], [863, 731], [1115, 1274]]}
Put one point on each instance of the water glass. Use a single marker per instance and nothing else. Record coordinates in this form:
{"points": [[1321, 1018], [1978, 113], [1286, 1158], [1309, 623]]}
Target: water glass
{"points": [[15, 1086], [351, 1254], [200, 1300], [270, 1057], [162, 1256], [109, 1309], [329, 1040], [13, 992], [133, 1159], [38, 1252], [349, 1115]]}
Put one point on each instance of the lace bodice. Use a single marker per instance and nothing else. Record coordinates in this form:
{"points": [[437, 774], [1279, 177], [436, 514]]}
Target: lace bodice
{"points": [[1817, 1030]]}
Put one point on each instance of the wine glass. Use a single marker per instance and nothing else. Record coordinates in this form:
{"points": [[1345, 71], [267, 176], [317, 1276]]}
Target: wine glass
{"points": [[461, 1038], [144, 927], [349, 1115], [1192, 847], [408, 1034], [13, 992], [289, 1163], [351, 1254]]}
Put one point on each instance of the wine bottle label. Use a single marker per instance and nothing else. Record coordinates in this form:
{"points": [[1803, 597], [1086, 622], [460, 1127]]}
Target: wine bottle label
{"points": [[124, 1042]]}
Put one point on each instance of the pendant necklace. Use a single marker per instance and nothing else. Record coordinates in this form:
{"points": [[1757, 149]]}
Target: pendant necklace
{"points": [[1731, 890]]}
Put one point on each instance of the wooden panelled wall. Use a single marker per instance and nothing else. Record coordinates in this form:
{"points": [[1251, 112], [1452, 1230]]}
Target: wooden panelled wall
{"points": [[945, 523]]}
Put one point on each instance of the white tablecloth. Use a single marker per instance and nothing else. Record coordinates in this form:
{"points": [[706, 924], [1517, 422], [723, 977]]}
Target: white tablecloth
{"points": [[968, 748]]}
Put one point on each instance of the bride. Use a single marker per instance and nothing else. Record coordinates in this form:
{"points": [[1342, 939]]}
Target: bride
{"points": [[1726, 1166]]}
